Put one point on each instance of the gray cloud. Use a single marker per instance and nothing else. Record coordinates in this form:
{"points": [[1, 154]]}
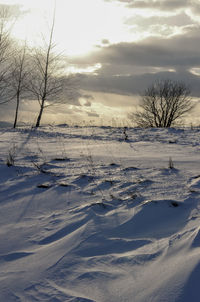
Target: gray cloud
{"points": [[128, 68], [135, 84], [159, 4], [179, 20], [164, 5], [92, 114], [178, 52], [105, 41]]}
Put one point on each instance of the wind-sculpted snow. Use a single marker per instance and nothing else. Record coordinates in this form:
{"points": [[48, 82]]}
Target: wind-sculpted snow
{"points": [[89, 215]]}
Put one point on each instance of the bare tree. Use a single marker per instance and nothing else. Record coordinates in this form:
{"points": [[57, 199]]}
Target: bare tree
{"points": [[5, 16], [163, 103], [5, 50], [46, 83], [19, 77]]}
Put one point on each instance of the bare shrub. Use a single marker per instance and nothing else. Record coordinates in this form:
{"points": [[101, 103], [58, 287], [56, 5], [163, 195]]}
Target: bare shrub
{"points": [[171, 164], [10, 161], [163, 103]]}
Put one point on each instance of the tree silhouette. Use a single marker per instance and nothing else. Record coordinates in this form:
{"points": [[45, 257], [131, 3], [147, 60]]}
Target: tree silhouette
{"points": [[46, 84], [163, 103], [6, 51], [19, 75]]}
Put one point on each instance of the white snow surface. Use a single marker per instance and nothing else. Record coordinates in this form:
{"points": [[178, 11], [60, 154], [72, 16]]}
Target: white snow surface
{"points": [[87, 216]]}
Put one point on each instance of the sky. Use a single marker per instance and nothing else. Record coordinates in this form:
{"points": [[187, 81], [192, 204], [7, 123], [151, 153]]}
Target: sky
{"points": [[116, 49]]}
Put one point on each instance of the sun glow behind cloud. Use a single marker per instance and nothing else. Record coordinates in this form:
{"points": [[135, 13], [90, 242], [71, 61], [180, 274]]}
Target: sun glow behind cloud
{"points": [[88, 69], [80, 25]]}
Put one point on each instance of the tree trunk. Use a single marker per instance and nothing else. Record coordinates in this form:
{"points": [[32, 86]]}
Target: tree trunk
{"points": [[16, 112], [40, 115]]}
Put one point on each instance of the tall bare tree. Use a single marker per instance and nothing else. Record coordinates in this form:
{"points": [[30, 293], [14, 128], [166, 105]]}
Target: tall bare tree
{"points": [[5, 16], [5, 50], [163, 103], [46, 83], [19, 73]]}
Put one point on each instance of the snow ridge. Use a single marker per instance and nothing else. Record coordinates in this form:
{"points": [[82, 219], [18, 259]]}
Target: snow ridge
{"points": [[89, 216]]}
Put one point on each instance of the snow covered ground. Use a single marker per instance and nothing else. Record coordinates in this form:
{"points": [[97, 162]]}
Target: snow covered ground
{"points": [[87, 216]]}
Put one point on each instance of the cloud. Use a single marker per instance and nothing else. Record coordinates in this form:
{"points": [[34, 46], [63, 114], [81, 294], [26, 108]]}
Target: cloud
{"points": [[167, 26], [135, 84], [114, 101], [105, 41], [127, 68], [143, 23], [162, 5], [92, 114], [177, 52], [159, 4]]}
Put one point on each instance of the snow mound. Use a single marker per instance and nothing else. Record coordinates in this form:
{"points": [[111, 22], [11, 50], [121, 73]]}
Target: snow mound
{"points": [[87, 216]]}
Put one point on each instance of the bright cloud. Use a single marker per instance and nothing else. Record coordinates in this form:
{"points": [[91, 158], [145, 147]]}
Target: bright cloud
{"points": [[80, 25]]}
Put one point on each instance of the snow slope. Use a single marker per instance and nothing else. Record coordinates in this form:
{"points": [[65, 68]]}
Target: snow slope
{"points": [[88, 216]]}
